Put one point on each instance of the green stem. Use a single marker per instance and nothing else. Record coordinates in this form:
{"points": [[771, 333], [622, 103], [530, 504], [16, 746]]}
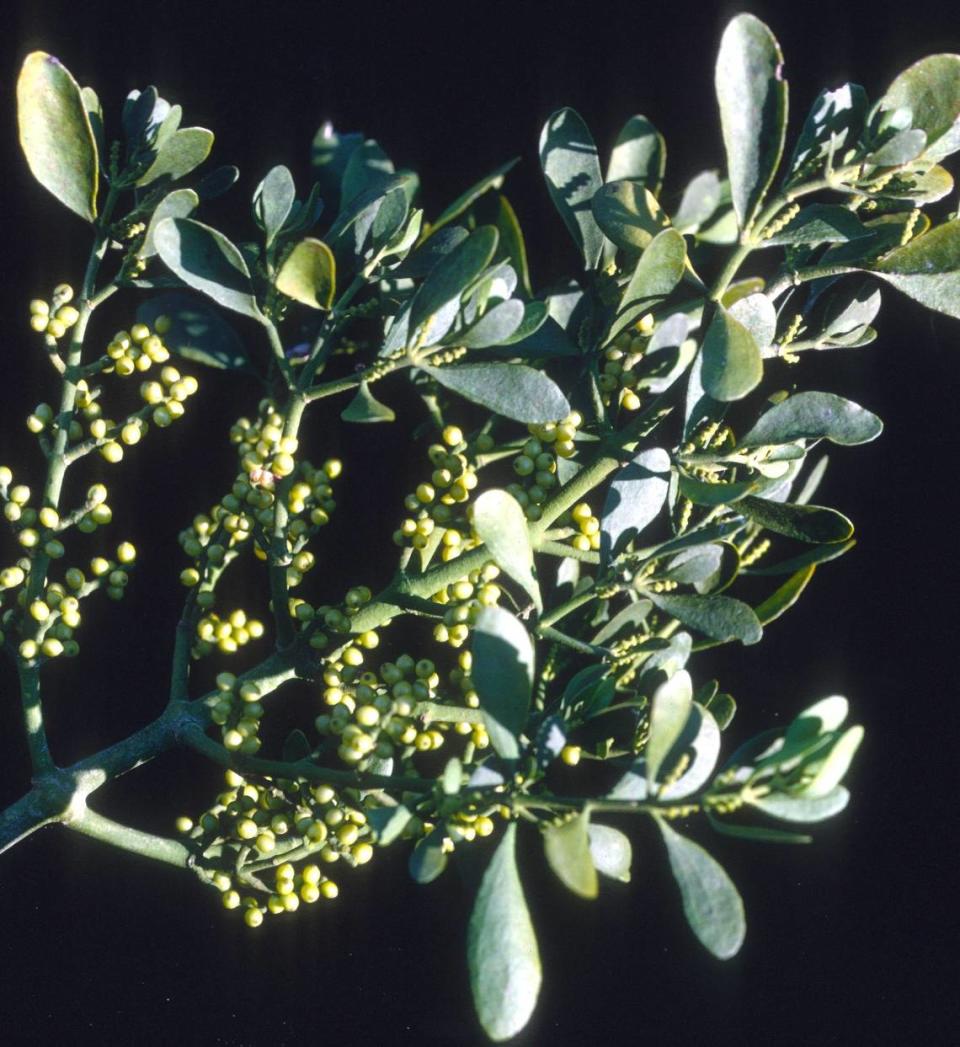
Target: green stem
{"points": [[159, 848], [802, 276], [40, 758], [562, 610], [279, 556]]}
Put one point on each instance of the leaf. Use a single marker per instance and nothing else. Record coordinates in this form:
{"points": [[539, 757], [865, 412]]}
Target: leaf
{"points": [[790, 808], [452, 275], [636, 496], [639, 153], [502, 955], [181, 203], [752, 95], [732, 364], [786, 596], [658, 271], [217, 182], [295, 746], [390, 219], [388, 823], [835, 765], [711, 903], [503, 676], [511, 390], [628, 213], [494, 180], [756, 833], [757, 313], [814, 416], [702, 493], [421, 261], [329, 157], [368, 168], [610, 852], [700, 200], [499, 522], [699, 741], [669, 711], [835, 117], [927, 269], [930, 89], [365, 407], [815, 555], [495, 327], [207, 261], [567, 848], [632, 616], [309, 274], [903, 147], [571, 168], [718, 617], [512, 242], [55, 133], [807, 523], [722, 708], [820, 224], [180, 154], [273, 201], [197, 332], [428, 858]]}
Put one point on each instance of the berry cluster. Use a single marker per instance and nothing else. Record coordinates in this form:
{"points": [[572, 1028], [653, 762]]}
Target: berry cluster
{"points": [[537, 464], [617, 380]]}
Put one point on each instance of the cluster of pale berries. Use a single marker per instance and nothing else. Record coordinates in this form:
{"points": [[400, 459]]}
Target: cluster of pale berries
{"points": [[617, 380], [375, 714], [537, 465], [247, 512]]}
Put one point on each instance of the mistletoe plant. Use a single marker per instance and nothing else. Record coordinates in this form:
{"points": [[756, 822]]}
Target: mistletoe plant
{"points": [[603, 466]]}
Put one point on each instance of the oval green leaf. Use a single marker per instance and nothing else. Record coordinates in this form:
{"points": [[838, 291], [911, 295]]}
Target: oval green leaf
{"points": [[732, 363], [503, 676], [610, 851], [669, 711], [567, 848], [273, 201], [511, 390], [197, 331], [789, 808], [637, 494], [640, 153], [930, 89], [55, 133], [814, 416], [806, 523], [927, 269], [181, 203], [502, 955], [179, 155], [500, 523], [309, 274], [453, 274], [629, 214], [720, 618]]}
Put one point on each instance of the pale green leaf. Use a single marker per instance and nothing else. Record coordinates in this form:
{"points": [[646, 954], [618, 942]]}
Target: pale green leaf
{"points": [[718, 617], [514, 391], [639, 153], [309, 274], [503, 677], [814, 416], [500, 523], [732, 364], [806, 523], [669, 711], [567, 848], [365, 407], [181, 203], [179, 155], [273, 201], [611, 852], [791, 808], [635, 497]]}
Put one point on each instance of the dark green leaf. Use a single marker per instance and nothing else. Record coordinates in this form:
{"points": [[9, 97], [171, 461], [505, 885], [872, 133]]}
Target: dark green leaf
{"points": [[701, 493], [571, 168], [511, 390], [365, 407], [807, 523], [512, 242], [567, 848], [610, 851], [699, 202], [815, 555], [503, 676], [309, 274], [329, 157], [631, 617], [181, 203], [669, 711], [494, 180], [534, 317], [55, 133], [814, 416], [717, 617], [711, 903], [428, 859], [207, 261], [295, 746], [836, 119], [802, 808], [502, 954], [636, 496], [695, 751], [628, 214], [820, 224], [196, 332], [786, 596], [388, 823], [496, 327], [639, 153], [927, 269], [930, 89], [501, 525], [217, 182], [752, 95], [732, 364], [421, 261], [722, 708], [658, 271], [756, 833], [273, 201], [368, 168], [180, 154]]}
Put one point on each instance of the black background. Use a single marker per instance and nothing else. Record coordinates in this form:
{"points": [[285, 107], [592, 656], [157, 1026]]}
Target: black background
{"points": [[851, 940]]}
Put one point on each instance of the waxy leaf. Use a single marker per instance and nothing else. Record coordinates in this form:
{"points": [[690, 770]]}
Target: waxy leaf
{"points": [[610, 851], [732, 364], [718, 617], [631, 617], [368, 168], [428, 858], [501, 525], [658, 271], [197, 331], [309, 274], [502, 954], [820, 224], [756, 833], [273, 201], [669, 711], [503, 676], [814, 416], [512, 243], [639, 153], [806, 523], [757, 313], [786, 596], [496, 327], [492, 181], [571, 168], [55, 133], [388, 823], [365, 407], [699, 741], [901, 149], [217, 182], [930, 90], [752, 95], [835, 117], [699, 202], [179, 155], [181, 203], [636, 496], [927, 269], [628, 213], [789, 808], [511, 390], [452, 275], [206, 260], [567, 848], [835, 766], [711, 903]]}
